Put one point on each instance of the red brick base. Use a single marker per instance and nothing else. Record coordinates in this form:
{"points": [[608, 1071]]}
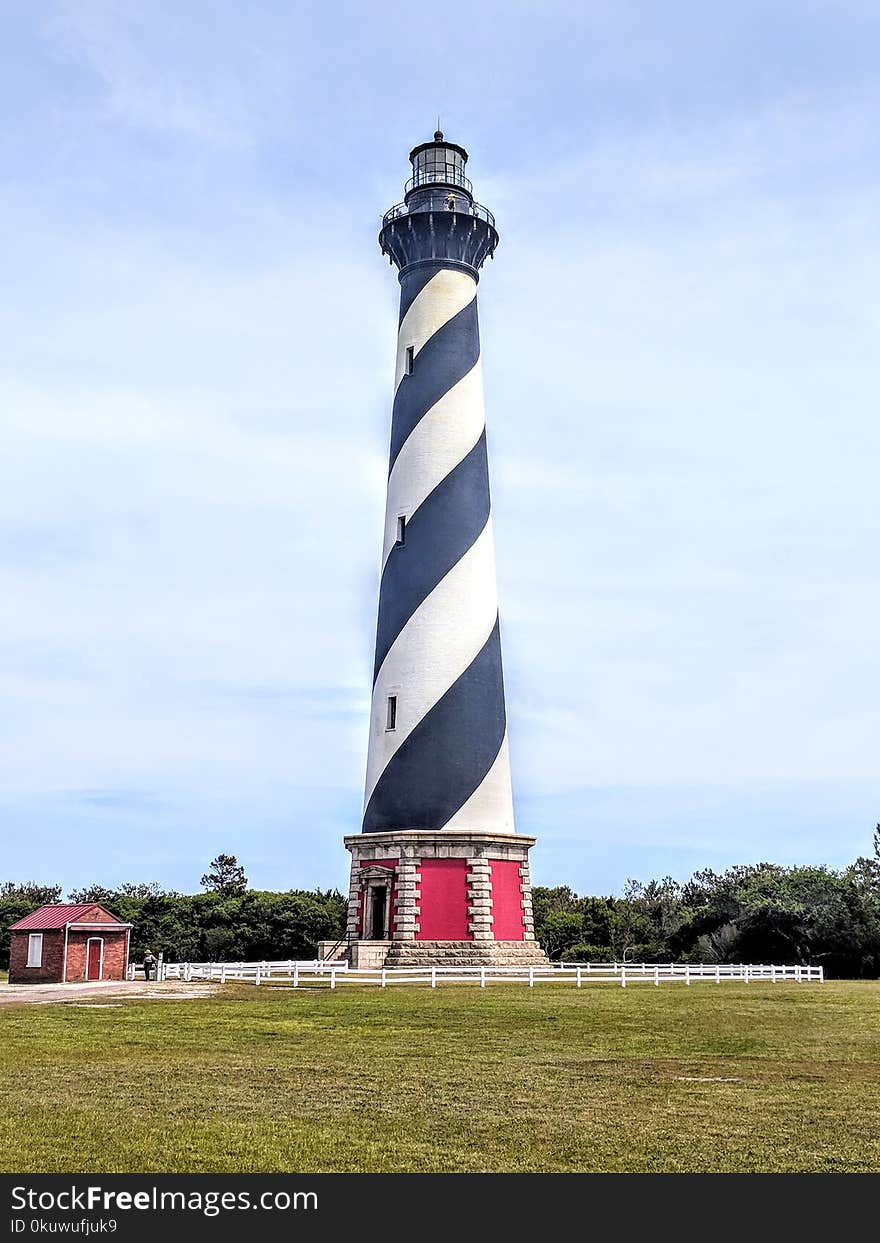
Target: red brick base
{"points": [[53, 958]]}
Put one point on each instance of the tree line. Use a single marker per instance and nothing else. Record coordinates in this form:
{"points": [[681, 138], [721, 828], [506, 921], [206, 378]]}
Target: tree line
{"points": [[758, 913], [229, 922], [763, 913]]}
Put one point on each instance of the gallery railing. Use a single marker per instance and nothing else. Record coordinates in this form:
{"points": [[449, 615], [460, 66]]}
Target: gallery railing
{"points": [[438, 202]]}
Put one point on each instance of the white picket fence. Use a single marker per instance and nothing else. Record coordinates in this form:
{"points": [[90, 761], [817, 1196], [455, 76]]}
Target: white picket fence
{"points": [[316, 971]]}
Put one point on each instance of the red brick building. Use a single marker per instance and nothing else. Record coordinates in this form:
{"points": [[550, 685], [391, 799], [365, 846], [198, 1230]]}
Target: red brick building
{"points": [[68, 942]]}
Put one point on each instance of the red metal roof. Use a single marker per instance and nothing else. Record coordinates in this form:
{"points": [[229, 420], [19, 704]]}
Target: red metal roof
{"points": [[57, 915]]}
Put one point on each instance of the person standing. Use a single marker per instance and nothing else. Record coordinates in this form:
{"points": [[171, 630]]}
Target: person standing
{"points": [[149, 965]]}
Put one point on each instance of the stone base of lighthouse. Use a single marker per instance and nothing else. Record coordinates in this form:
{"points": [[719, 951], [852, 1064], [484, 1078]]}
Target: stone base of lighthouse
{"points": [[447, 898]]}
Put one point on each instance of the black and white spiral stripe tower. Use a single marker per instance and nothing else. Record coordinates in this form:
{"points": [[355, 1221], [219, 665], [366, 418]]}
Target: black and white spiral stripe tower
{"points": [[438, 871]]}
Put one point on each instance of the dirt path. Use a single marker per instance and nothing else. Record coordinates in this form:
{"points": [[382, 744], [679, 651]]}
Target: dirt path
{"points": [[100, 992]]}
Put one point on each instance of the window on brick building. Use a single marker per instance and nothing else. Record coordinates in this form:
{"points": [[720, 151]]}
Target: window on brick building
{"points": [[391, 718], [35, 949]]}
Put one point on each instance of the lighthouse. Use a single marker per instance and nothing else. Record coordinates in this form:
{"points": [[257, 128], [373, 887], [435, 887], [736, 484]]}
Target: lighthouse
{"points": [[439, 874]]}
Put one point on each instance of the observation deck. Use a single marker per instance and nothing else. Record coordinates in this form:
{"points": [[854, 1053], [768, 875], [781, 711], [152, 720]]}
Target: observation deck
{"points": [[439, 221]]}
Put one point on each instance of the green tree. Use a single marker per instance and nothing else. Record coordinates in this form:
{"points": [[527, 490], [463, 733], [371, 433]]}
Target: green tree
{"points": [[143, 889], [631, 932], [30, 891], [225, 876], [93, 893], [560, 931]]}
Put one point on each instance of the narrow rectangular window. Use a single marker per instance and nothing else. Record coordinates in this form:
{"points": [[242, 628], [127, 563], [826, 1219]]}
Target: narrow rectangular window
{"points": [[391, 720], [35, 949], [401, 530], [410, 358]]}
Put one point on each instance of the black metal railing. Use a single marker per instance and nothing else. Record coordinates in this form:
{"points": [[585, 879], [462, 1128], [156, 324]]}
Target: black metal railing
{"points": [[438, 202], [346, 939]]}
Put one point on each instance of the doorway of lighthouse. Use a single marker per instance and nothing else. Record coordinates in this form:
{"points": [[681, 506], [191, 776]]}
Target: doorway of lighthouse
{"points": [[377, 911]]}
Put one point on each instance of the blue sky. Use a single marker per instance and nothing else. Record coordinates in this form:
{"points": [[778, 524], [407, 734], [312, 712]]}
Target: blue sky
{"points": [[679, 341]]}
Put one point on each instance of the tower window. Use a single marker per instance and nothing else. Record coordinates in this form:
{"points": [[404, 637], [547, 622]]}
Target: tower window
{"points": [[410, 358], [391, 718], [401, 531]]}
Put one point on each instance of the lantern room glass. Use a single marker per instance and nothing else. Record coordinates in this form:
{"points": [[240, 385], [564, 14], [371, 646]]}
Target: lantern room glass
{"points": [[439, 164]]}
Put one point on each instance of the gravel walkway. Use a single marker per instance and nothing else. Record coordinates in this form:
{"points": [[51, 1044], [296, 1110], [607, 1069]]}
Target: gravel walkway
{"points": [[104, 992]]}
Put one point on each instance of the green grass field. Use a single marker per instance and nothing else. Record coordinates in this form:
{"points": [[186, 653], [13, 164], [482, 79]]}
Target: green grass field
{"points": [[736, 1077]]}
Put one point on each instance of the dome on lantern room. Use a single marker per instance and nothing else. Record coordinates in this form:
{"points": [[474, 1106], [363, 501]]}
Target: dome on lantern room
{"points": [[438, 163]]}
